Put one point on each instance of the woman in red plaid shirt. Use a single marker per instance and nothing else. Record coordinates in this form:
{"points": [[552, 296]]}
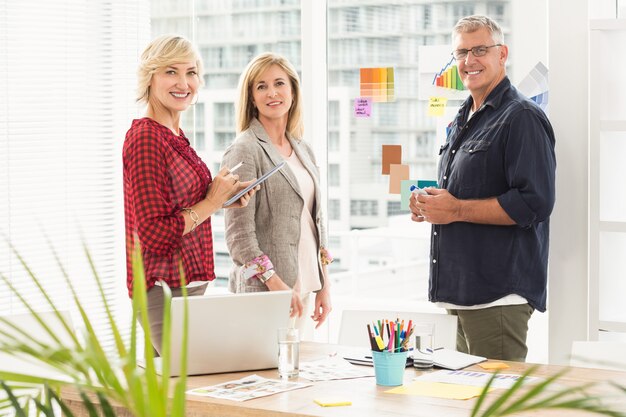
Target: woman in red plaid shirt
{"points": [[169, 194]]}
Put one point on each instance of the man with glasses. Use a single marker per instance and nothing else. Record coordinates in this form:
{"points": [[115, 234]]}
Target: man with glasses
{"points": [[490, 216]]}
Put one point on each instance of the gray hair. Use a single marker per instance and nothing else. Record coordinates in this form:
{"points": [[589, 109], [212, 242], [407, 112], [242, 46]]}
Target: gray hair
{"points": [[473, 23]]}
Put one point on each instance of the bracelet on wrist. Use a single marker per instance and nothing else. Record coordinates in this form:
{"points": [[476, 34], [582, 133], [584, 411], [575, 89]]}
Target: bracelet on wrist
{"points": [[265, 276], [194, 218], [256, 266]]}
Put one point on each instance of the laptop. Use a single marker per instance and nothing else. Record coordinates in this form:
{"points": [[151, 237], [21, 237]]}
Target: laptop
{"points": [[229, 332]]}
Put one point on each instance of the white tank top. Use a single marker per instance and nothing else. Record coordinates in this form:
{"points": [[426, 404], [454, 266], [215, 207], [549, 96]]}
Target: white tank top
{"points": [[308, 270]]}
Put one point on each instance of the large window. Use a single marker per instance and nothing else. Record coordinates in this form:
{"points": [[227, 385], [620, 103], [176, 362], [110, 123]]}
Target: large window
{"points": [[384, 34], [66, 100], [228, 35], [62, 123]]}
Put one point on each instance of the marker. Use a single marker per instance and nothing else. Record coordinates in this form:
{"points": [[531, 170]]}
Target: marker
{"points": [[372, 341], [236, 167], [416, 190]]}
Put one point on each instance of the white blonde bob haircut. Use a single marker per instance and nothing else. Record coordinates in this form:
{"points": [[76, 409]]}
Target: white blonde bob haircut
{"points": [[160, 53]]}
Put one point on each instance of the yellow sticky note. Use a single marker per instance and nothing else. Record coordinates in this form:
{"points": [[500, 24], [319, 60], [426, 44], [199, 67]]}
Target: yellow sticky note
{"points": [[332, 402], [493, 365], [438, 390], [437, 106]]}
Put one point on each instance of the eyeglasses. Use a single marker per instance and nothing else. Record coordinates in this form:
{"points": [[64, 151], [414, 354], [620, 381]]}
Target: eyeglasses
{"points": [[481, 50]]}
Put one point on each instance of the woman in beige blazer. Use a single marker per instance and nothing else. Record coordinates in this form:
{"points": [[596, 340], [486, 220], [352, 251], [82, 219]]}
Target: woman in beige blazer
{"points": [[278, 242]]}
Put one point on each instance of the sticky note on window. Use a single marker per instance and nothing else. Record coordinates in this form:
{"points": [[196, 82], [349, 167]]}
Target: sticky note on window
{"points": [[378, 83], [437, 106], [362, 107], [392, 154], [427, 183], [405, 193], [397, 173], [332, 402]]}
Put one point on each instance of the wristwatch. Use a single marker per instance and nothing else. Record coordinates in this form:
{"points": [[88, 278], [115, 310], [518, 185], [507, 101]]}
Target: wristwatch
{"points": [[266, 275]]}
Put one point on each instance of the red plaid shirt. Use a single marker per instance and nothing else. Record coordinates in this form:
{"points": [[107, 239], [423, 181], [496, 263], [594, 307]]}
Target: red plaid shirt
{"points": [[163, 174]]}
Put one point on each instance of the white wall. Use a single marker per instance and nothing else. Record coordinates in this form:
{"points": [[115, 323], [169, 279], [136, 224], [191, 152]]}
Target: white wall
{"points": [[568, 63]]}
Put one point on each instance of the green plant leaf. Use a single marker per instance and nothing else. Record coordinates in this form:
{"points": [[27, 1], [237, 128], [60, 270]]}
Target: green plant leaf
{"points": [[536, 397], [19, 411], [52, 395], [483, 395], [179, 403], [85, 362]]}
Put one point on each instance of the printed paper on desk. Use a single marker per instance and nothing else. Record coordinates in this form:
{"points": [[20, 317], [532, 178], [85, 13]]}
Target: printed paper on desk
{"points": [[332, 368], [247, 388], [476, 379], [452, 359]]}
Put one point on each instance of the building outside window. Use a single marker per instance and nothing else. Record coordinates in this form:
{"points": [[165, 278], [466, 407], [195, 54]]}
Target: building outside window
{"points": [[381, 33]]}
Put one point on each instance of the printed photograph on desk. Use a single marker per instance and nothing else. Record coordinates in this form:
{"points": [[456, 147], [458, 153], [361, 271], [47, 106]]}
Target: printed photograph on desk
{"points": [[247, 388], [332, 368]]}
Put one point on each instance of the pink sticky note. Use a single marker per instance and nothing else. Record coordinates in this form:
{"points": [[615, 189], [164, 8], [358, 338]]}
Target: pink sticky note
{"points": [[362, 107]]}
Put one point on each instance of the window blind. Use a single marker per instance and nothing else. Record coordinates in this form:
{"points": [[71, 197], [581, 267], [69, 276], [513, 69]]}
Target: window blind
{"points": [[66, 99]]}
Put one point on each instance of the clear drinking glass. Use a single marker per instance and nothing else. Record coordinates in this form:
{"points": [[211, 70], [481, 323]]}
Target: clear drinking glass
{"points": [[288, 352], [423, 353]]}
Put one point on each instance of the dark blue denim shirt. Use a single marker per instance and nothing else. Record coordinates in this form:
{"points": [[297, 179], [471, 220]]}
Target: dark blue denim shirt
{"points": [[506, 150]]}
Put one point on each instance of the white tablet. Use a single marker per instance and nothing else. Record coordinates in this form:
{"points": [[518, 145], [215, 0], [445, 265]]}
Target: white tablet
{"points": [[254, 184]]}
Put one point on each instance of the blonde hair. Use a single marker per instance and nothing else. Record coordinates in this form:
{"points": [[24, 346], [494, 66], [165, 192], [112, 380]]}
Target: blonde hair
{"points": [[244, 107], [161, 52]]}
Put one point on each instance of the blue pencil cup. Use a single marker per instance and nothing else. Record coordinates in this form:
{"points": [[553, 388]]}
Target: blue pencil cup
{"points": [[389, 367]]}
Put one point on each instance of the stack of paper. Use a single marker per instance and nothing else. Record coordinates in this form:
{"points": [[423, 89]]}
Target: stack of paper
{"points": [[452, 359]]}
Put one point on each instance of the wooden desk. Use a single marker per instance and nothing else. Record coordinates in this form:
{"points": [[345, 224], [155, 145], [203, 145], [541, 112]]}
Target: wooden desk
{"points": [[367, 398]]}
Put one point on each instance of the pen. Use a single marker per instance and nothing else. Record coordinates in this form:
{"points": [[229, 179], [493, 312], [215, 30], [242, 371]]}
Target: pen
{"points": [[236, 167]]}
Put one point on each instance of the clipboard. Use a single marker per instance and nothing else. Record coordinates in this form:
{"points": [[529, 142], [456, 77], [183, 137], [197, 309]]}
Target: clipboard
{"points": [[254, 184]]}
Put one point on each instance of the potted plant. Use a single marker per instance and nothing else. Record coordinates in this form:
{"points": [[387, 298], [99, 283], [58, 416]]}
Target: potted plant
{"points": [[100, 378]]}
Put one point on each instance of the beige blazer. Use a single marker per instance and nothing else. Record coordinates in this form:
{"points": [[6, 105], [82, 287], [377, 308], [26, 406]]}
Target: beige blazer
{"points": [[270, 224]]}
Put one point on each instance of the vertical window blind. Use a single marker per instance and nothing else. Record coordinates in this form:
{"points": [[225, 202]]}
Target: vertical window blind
{"points": [[67, 91]]}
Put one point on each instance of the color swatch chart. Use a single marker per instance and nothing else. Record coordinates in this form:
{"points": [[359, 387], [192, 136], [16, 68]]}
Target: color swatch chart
{"points": [[378, 83], [449, 78], [535, 86]]}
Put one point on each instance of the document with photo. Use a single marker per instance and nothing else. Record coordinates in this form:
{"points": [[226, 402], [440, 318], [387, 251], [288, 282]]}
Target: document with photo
{"points": [[247, 388], [332, 368]]}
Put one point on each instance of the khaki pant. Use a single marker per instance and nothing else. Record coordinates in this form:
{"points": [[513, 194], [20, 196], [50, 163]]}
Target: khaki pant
{"points": [[155, 310], [495, 333]]}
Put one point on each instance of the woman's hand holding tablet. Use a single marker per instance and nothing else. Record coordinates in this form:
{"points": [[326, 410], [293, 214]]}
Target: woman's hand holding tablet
{"points": [[265, 176]]}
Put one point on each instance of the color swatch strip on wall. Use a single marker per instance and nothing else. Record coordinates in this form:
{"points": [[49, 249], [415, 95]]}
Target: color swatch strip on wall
{"points": [[378, 83], [449, 78], [535, 86]]}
